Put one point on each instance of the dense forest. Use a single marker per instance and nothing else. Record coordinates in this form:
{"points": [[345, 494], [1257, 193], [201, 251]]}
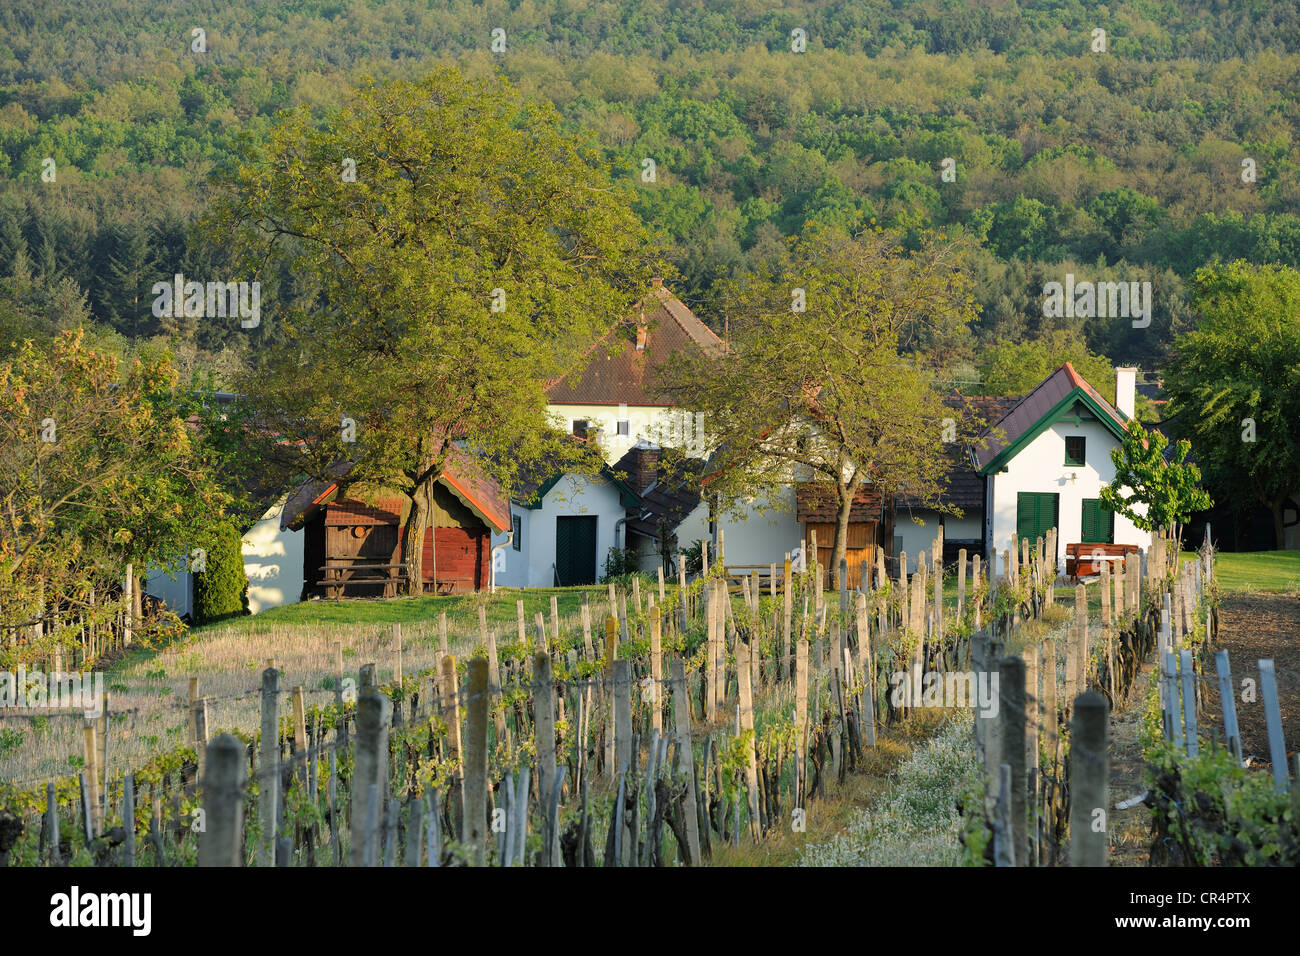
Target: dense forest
{"points": [[1167, 151]]}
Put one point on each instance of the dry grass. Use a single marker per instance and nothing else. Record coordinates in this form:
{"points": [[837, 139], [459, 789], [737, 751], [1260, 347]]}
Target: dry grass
{"points": [[149, 690], [829, 816]]}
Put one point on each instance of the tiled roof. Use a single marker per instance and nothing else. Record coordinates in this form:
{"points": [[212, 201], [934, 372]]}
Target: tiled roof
{"points": [[1030, 410], [965, 488], [463, 477], [626, 374], [671, 498], [816, 502]]}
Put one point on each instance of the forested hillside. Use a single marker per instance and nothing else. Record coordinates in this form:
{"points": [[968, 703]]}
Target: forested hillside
{"points": [[1126, 164]]}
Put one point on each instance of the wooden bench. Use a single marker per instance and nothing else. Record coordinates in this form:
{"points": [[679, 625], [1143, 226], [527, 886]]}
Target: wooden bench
{"points": [[336, 577], [1084, 560], [734, 572]]}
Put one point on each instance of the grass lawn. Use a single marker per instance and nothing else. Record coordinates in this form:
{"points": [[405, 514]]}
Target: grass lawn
{"points": [[1275, 571], [501, 609]]}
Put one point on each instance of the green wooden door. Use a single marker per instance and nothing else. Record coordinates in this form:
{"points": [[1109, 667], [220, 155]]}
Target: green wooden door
{"points": [[1036, 513], [1098, 526], [575, 549]]}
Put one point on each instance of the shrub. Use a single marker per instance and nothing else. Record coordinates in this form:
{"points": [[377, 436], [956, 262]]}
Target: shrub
{"points": [[620, 563], [221, 590]]}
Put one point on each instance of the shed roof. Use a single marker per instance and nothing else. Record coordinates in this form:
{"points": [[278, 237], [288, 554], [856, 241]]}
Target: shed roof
{"points": [[462, 476]]}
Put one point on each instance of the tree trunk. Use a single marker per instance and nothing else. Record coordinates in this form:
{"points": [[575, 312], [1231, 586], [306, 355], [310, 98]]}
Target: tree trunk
{"points": [[885, 533], [840, 551], [417, 522]]}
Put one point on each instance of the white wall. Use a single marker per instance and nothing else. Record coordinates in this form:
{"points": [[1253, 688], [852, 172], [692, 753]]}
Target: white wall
{"points": [[273, 562], [918, 538], [533, 565], [178, 594], [1040, 467], [659, 424], [757, 536]]}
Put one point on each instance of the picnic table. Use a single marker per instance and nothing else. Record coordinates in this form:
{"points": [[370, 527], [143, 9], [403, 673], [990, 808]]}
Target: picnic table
{"points": [[1083, 559], [336, 577]]}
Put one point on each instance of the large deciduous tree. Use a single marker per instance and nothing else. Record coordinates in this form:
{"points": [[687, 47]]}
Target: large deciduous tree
{"points": [[464, 250], [1234, 384], [98, 468], [822, 380]]}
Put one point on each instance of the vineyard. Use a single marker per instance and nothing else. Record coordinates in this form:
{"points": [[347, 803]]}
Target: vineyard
{"points": [[652, 728]]}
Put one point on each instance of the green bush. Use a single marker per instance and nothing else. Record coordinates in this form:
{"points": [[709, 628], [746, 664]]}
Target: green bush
{"points": [[620, 563], [221, 590]]}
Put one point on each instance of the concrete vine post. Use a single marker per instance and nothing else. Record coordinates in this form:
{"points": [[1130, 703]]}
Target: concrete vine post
{"points": [[268, 766], [1089, 782], [221, 843], [370, 773]]}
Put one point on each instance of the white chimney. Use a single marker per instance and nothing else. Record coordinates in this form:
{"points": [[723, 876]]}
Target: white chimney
{"points": [[1126, 390]]}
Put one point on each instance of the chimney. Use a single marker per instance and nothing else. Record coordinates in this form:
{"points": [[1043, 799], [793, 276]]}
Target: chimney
{"points": [[645, 467], [1126, 390], [641, 334], [657, 282]]}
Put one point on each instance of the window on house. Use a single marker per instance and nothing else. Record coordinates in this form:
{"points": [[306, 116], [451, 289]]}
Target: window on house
{"points": [[1074, 449], [623, 428], [580, 427], [518, 524], [1098, 523]]}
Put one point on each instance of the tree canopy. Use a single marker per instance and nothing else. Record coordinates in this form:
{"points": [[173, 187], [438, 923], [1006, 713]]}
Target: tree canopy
{"points": [[1234, 387], [823, 379], [463, 250]]}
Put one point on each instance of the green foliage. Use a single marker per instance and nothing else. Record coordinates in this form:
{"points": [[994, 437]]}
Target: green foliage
{"points": [[477, 255], [221, 591], [620, 563], [97, 469], [1017, 367], [752, 142], [1219, 813], [1234, 385], [831, 379], [694, 557], [1152, 492]]}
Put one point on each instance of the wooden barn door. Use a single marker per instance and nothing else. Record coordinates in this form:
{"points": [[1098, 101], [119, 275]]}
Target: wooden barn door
{"points": [[575, 549], [859, 549]]}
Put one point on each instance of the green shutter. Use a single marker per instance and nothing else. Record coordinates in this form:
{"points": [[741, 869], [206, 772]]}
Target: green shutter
{"points": [[1036, 513], [1098, 525]]}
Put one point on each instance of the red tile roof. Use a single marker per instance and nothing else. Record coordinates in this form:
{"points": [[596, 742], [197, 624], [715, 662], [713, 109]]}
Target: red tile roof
{"points": [[1030, 410], [463, 477], [625, 375]]}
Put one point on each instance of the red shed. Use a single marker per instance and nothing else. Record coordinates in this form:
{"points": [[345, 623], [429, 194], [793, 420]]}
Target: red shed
{"points": [[354, 546]]}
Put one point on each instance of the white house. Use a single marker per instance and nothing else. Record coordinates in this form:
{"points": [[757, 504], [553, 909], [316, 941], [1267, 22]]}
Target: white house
{"points": [[614, 397], [273, 561], [563, 529], [1046, 460]]}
